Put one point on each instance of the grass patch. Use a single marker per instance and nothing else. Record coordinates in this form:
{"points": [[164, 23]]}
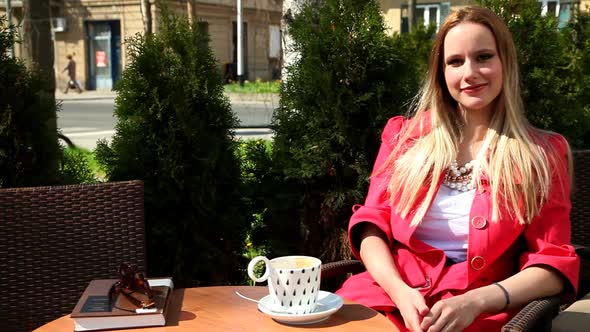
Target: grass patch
{"points": [[253, 87]]}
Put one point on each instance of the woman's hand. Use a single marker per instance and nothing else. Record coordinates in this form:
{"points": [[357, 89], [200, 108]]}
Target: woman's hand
{"points": [[452, 314], [411, 306]]}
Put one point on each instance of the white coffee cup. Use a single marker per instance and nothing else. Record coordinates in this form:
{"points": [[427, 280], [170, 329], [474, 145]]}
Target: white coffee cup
{"points": [[293, 282]]}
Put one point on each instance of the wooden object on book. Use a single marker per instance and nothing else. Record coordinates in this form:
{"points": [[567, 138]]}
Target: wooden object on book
{"points": [[95, 311]]}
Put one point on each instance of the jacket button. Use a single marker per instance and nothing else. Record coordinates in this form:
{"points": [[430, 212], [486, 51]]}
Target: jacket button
{"points": [[479, 222], [478, 262]]}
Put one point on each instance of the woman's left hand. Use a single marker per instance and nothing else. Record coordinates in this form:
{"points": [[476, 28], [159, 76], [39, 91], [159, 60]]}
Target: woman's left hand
{"points": [[452, 314]]}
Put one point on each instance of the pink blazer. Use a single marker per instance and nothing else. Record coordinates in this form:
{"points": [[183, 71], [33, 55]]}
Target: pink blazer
{"points": [[495, 250]]}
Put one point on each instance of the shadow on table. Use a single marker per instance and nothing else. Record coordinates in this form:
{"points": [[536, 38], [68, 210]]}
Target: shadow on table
{"points": [[175, 313], [357, 312], [348, 313]]}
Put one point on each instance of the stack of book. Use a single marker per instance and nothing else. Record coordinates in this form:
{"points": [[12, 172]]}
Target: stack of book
{"points": [[96, 311]]}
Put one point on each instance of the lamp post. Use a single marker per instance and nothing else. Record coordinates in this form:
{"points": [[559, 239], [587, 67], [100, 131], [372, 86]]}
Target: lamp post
{"points": [[9, 17], [240, 45]]}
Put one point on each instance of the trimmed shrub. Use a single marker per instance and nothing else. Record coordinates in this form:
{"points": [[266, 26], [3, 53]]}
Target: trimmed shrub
{"points": [[75, 167], [349, 80], [579, 30], [174, 133], [256, 164], [28, 143], [554, 68]]}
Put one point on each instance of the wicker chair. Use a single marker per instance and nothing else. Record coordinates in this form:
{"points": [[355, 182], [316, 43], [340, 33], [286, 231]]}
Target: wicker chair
{"points": [[537, 315], [54, 240]]}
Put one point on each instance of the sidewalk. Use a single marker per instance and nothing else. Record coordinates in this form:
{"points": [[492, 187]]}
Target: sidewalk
{"points": [[263, 98], [239, 98], [85, 95]]}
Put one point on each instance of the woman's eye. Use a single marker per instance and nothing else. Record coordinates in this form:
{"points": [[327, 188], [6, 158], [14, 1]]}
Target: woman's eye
{"points": [[454, 62], [485, 57]]}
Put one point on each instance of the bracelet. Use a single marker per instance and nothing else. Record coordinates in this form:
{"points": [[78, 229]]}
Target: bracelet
{"points": [[506, 295]]}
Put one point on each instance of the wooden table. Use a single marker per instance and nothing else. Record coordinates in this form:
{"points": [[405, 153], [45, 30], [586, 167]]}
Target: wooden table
{"points": [[220, 309]]}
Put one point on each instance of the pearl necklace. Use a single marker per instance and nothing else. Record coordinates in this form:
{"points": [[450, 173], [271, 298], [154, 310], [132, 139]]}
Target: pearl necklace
{"points": [[460, 178]]}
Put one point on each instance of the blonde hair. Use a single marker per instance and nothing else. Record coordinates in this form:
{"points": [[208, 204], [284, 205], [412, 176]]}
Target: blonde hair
{"points": [[518, 165]]}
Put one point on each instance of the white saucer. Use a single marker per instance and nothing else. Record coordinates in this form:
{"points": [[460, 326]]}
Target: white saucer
{"points": [[328, 303]]}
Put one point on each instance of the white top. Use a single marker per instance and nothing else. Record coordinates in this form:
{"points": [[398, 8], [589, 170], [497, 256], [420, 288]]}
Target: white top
{"points": [[446, 224]]}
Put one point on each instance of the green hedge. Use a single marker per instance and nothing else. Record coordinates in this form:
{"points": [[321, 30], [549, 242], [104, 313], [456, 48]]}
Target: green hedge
{"points": [[554, 68], [349, 79], [29, 151], [173, 132]]}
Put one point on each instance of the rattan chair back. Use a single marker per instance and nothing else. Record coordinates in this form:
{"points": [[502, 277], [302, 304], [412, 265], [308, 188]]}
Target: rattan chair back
{"points": [[580, 215], [54, 240]]}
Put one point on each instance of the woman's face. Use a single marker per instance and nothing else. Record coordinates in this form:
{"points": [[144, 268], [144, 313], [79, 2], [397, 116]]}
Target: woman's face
{"points": [[472, 67]]}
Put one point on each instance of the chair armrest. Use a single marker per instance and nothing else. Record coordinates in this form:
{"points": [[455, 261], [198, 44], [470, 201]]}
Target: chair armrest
{"points": [[535, 316], [582, 251], [341, 268]]}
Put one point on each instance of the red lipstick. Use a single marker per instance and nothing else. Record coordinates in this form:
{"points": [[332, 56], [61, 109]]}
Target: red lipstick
{"points": [[473, 88]]}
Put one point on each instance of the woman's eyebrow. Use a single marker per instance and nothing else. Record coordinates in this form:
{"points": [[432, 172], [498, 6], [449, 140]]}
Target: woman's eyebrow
{"points": [[451, 56], [478, 51], [482, 50]]}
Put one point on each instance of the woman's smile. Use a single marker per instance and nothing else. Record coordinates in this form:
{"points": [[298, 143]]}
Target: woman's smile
{"points": [[473, 89]]}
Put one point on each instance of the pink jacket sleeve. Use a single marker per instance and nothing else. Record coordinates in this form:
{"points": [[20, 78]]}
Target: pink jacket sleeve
{"points": [[548, 236], [376, 209]]}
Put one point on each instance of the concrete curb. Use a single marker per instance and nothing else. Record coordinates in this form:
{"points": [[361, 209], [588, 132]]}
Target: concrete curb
{"points": [[265, 98], [85, 95], [261, 98]]}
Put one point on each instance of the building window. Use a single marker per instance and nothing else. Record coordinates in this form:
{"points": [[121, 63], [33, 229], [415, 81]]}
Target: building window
{"points": [[203, 27], [426, 14], [560, 10], [203, 30], [549, 7], [274, 41]]}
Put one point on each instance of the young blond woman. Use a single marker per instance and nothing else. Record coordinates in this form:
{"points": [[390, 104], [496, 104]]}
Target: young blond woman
{"points": [[467, 214]]}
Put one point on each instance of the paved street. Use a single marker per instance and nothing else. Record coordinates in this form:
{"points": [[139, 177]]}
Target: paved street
{"points": [[88, 117]]}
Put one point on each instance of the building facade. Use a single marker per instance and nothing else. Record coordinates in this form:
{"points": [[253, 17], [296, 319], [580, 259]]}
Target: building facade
{"points": [[94, 32], [395, 12]]}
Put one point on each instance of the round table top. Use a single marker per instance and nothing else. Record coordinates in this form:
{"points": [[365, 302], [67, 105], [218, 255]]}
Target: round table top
{"points": [[220, 309]]}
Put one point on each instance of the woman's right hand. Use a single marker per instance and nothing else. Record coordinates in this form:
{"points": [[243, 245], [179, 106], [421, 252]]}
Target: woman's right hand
{"points": [[376, 254], [411, 305]]}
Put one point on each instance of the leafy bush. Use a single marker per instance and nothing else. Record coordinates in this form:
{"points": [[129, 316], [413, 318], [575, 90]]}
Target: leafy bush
{"points": [[173, 132], [258, 188], [554, 68], [254, 156], [579, 30], [349, 79], [75, 167], [29, 151]]}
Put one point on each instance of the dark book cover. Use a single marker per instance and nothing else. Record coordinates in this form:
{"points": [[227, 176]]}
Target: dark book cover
{"points": [[94, 310]]}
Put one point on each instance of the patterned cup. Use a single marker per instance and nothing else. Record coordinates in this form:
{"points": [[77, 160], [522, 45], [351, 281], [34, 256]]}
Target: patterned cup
{"points": [[293, 282]]}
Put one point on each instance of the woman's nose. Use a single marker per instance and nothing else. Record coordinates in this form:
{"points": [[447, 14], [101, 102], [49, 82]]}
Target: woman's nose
{"points": [[471, 70]]}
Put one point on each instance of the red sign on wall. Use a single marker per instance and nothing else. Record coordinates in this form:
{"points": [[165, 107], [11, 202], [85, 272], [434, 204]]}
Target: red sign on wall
{"points": [[101, 59]]}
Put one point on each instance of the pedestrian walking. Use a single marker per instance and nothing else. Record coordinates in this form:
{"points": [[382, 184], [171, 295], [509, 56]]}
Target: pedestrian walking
{"points": [[71, 69]]}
